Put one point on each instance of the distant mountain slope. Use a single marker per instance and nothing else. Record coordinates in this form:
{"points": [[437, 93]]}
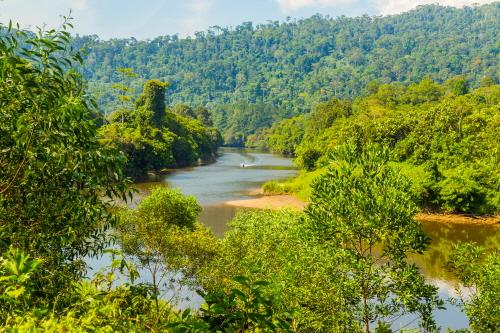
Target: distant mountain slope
{"points": [[293, 65]]}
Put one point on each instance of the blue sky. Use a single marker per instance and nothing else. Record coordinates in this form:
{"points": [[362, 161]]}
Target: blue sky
{"points": [[150, 18]]}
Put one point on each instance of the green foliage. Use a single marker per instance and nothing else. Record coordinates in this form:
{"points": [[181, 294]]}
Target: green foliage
{"points": [[16, 269], [153, 138], [282, 137], [56, 177], [273, 187], [124, 95], [480, 273], [446, 144], [459, 87], [244, 309], [324, 114], [277, 246], [151, 103], [362, 208], [107, 304], [183, 110], [168, 208], [308, 158], [299, 186], [342, 266], [239, 120], [462, 191], [93, 305], [289, 66], [163, 237]]}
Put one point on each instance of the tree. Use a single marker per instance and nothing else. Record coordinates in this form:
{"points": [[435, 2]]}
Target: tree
{"points": [[203, 116], [152, 102], [294, 65], [280, 247], [163, 237], [424, 126], [458, 86], [56, 176], [124, 94], [245, 309], [155, 138], [325, 114], [479, 272], [363, 209], [308, 158], [184, 110], [98, 305]]}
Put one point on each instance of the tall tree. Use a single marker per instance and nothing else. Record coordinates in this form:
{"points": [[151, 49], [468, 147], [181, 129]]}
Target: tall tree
{"points": [[162, 235], [362, 209], [56, 177], [124, 94], [152, 102], [295, 64]]}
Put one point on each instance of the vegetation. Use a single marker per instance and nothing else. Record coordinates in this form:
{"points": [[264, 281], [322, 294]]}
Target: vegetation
{"points": [[54, 171], [357, 275], [444, 139], [154, 138], [251, 76], [170, 257], [362, 207], [264, 245], [56, 182], [479, 272], [342, 265]]}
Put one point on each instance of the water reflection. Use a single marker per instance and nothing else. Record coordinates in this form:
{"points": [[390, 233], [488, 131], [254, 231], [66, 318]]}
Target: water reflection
{"points": [[444, 236], [222, 181], [216, 217]]}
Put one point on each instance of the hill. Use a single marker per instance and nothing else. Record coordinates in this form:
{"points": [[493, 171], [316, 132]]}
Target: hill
{"points": [[277, 70]]}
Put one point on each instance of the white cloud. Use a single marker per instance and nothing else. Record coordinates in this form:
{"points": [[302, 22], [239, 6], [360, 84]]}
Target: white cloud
{"points": [[79, 4], [382, 6], [290, 5], [198, 10], [398, 6]]}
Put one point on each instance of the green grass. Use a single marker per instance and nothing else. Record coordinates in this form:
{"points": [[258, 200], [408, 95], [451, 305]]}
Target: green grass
{"points": [[299, 186]]}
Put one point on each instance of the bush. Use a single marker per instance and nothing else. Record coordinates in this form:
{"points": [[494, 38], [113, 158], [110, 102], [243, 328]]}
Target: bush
{"points": [[461, 192], [307, 159], [274, 187]]}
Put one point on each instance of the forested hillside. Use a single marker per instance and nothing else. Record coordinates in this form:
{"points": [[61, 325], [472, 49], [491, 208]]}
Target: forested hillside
{"points": [[444, 137], [282, 69]]}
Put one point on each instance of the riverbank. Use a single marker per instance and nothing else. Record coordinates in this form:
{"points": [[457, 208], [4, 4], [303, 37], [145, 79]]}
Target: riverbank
{"points": [[280, 201], [270, 202]]}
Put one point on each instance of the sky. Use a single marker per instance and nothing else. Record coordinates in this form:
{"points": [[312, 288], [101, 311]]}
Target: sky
{"points": [[151, 18]]}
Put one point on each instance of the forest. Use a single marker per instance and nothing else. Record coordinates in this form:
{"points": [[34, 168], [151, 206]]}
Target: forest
{"points": [[153, 137], [419, 134], [250, 76], [442, 136]]}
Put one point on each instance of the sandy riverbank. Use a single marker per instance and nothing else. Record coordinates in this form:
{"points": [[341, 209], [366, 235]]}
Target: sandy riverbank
{"points": [[292, 202], [270, 202]]}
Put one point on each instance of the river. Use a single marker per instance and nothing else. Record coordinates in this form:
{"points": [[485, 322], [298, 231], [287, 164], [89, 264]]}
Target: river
{"points": [[225, 180]]}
